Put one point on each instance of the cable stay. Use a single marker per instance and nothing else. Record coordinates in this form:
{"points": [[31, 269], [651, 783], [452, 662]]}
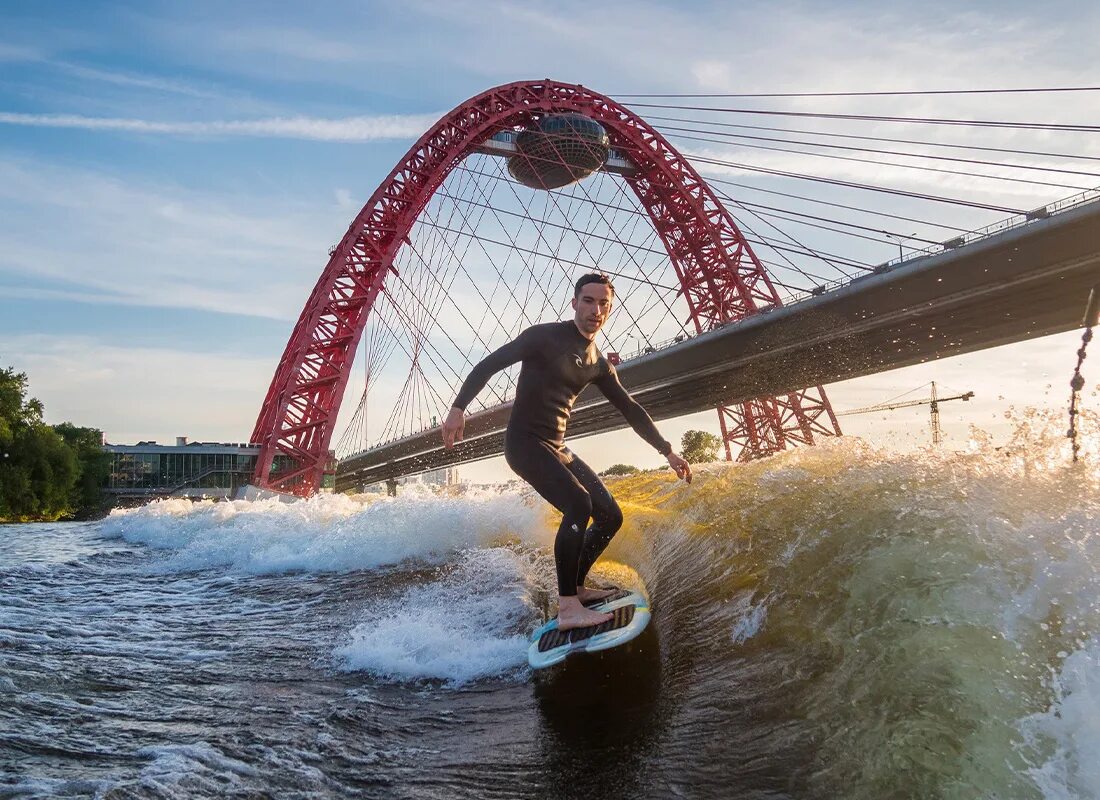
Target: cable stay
{"points": [[897, 93], [678, 132], [978, 123], [886, 139], [855, 185]]}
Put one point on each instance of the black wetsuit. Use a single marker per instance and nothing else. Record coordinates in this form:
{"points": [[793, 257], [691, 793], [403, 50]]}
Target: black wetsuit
{"points": [[558, 363]]}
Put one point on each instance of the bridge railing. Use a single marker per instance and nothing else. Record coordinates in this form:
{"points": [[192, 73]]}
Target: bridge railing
{"points": [[1000, 226]]}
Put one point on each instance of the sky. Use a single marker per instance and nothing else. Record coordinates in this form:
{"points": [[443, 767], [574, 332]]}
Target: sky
{"points": [[173, 174]]}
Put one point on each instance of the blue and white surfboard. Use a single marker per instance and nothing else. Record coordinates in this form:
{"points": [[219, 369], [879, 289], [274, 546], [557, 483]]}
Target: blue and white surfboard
{"points": [[550, 646]]}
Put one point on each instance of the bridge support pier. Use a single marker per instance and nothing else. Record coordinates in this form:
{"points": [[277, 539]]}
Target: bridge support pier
{"points": [[391, 487]]}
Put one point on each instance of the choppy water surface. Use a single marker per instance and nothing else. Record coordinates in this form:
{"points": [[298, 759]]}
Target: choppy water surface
{"points": [[833, 622]]}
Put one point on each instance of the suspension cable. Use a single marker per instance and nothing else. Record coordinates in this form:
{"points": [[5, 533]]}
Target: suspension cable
{"points": [[887, 139], [1041, 126], [872, 212], [900, 93], [855, 185], [676, 132], [917, 167], [792, 239]]}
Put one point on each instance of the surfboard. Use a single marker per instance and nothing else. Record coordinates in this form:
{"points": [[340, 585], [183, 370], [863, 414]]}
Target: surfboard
{"points": [[549, 646]]}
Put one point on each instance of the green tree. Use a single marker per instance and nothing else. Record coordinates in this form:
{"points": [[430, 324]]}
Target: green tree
{"points": [[88, 498], [700, 447], [14, 409], [16, 414], [38, 470], [620, 469]]}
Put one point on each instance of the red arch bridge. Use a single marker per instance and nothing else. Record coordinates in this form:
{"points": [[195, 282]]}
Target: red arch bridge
{"points": [[460, 248]]}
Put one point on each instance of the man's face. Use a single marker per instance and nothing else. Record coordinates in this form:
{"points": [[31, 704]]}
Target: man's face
{"points": [[593, 306]]}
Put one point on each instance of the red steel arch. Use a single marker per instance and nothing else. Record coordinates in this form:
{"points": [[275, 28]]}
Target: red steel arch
{"points": [[721, 278]]}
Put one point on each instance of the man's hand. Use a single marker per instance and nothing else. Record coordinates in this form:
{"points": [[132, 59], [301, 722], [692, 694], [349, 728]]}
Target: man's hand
{"points": [[452, 427], [682, 467]]}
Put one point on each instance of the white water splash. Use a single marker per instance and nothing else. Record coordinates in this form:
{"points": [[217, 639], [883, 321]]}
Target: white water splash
{"points": [[1070, 729], [468, 625], [328, 532]]}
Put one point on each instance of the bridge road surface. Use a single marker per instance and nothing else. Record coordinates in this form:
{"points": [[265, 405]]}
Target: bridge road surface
{"points": [[1025, 282]]}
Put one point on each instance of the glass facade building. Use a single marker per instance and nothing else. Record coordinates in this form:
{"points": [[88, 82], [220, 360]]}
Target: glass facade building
{"points": [[198, 469]]}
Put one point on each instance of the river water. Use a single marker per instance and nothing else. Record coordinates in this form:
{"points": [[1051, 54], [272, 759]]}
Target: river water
{"points": [[834, 622]]}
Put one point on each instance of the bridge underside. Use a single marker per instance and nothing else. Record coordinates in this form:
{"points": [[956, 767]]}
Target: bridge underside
{"points": [[1020, 284]]}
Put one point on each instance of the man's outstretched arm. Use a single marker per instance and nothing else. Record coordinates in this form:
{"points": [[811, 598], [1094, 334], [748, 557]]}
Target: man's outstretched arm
{"points": [[640, 420], [511, 353]]}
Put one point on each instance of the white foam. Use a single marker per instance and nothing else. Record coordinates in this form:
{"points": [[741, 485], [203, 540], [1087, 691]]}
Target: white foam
{"points": [[470, 624], [50, 788], [173, 759], [327, 532], [750, 619], [190, 770], [1070, 729]]}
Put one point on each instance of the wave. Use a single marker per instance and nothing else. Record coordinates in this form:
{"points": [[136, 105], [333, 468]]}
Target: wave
{"points": [[470, 623], [917, 625], [327, 533], [865, 623]]}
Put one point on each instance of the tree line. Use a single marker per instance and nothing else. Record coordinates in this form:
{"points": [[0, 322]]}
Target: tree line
{"points": [[47, 472], [698, 447]]}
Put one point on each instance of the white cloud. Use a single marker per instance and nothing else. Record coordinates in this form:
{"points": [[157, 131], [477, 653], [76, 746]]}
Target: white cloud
{"points": [[344, 199], [294, 43], [157, 244], [14, 52], [347, 129], [127, 79], [334, 44], [137, 393], [713, 76], [143, 392]]}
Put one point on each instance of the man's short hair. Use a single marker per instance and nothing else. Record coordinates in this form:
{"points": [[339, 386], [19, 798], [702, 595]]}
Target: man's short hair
{"points": [[593, 277]]}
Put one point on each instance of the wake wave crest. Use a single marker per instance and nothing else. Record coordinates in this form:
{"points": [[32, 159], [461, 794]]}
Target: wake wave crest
{"points": [[905, 625], [328, 533]]}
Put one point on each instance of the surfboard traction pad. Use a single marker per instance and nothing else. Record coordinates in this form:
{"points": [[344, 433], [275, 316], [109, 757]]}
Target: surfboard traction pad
{"points": [[619, 594], [556, 638], [577, 639]]}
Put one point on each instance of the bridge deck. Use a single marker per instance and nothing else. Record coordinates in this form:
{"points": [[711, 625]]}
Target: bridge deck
{"points": [[1023, 283]]}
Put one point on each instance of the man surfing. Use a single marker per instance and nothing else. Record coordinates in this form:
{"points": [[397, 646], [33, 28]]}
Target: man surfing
{"points": [[559, 360]]}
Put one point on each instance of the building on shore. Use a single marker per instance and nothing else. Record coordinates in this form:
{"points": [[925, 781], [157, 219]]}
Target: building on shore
{"points": [[196, 470], [448, 476], [436, 479]]}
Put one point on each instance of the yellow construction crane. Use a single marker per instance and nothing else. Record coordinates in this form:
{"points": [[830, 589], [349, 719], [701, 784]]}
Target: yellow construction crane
{"points": [[933, 401]]}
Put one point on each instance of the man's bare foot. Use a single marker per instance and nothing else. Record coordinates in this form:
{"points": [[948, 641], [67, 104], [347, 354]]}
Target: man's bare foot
{"points": [[586, 595], [571, 614]]}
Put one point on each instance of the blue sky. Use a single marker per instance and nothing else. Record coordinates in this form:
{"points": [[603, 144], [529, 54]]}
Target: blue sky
{"points": [[172, 174]]}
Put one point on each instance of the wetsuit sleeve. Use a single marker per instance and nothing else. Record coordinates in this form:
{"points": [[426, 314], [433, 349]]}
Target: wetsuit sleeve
{"points": [[639, 420], [516, 350]]}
